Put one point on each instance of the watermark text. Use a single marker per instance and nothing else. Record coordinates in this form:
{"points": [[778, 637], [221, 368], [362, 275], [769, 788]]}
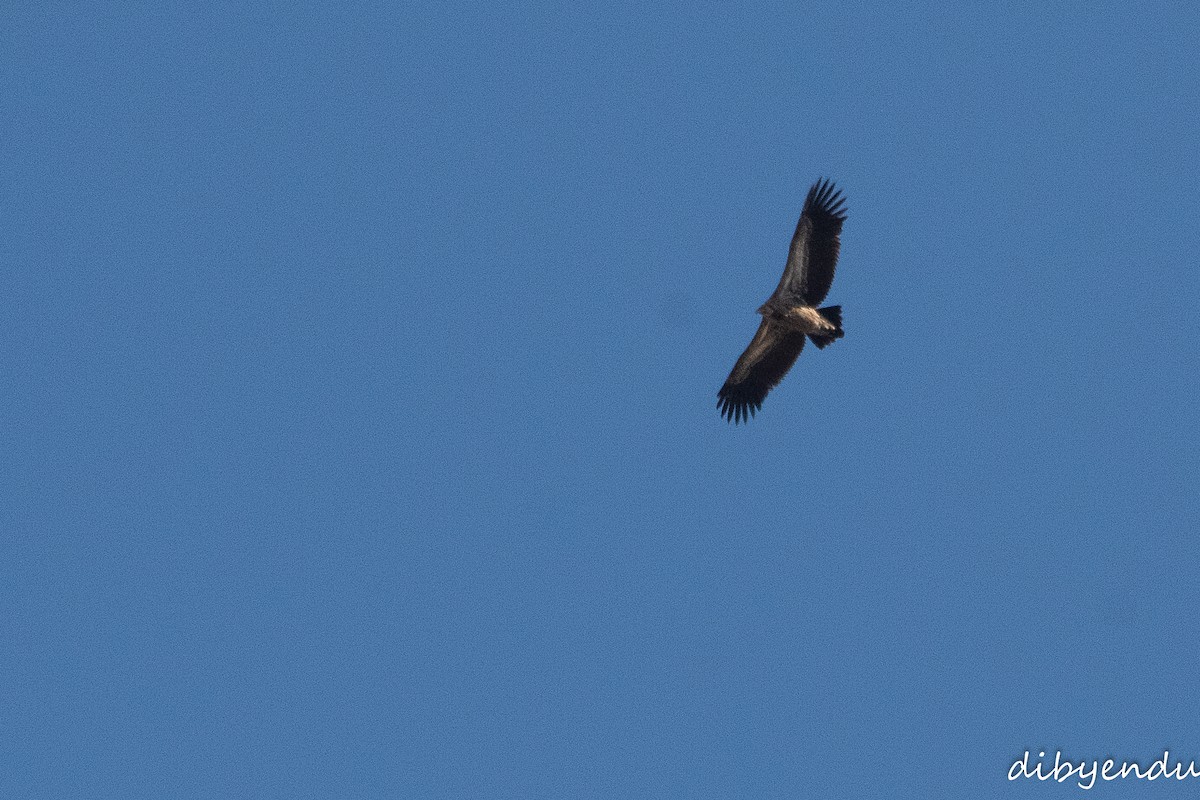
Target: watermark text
{"points": [[1109, 769]]}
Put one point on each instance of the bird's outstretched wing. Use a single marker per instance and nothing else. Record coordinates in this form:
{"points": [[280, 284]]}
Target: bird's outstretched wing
{"points": [[813, 256], [768, 358]]}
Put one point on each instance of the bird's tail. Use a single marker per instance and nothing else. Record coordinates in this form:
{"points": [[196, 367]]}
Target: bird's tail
{"points": [[832, 315]]}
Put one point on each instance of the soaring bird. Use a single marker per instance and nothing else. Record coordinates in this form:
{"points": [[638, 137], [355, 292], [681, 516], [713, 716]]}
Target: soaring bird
{"points": [[791, 313]]}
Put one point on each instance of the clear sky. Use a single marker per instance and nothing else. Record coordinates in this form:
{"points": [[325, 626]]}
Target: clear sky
{"points": [[359, 415]]}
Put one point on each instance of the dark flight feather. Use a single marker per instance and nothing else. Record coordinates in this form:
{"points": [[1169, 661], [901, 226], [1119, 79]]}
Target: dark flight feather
{"points": [[813, 255], [759, 370]]}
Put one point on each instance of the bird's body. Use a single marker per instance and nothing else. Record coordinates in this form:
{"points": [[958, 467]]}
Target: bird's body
{"points": [[791, 313], [799, 318]]}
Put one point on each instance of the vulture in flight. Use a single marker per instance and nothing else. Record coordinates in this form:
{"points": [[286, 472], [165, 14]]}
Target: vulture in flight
{"points": [[791, 313]]}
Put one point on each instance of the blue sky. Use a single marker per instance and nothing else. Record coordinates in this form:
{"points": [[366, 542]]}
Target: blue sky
{"points": [[361, 366]]}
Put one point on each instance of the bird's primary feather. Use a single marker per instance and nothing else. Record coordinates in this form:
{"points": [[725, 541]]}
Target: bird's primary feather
{"points": [[759, 370], [813, 256]]}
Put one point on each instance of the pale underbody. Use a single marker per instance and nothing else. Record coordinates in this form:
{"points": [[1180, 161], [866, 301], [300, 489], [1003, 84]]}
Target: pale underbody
{"points": [[802, 319]]}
